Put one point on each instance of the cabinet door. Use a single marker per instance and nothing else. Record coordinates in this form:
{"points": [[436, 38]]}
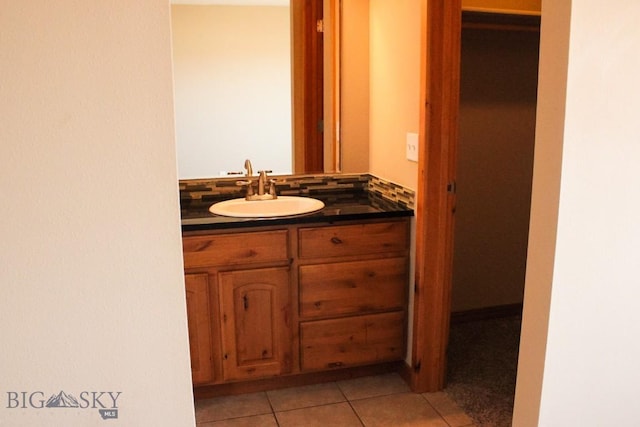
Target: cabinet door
{"points": [[254, 315], [199, 322]]}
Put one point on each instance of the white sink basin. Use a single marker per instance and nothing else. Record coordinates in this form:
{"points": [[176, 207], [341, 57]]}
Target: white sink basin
{"points": [[282, 206]]}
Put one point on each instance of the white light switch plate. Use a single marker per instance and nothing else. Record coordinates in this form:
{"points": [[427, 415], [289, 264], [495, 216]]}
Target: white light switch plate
{"points": [[412, 146]]}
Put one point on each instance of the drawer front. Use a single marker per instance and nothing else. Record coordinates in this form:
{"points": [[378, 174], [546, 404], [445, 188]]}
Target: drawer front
{"points": [[353, 287], [360, 239], [241, 248], [351, 341]]}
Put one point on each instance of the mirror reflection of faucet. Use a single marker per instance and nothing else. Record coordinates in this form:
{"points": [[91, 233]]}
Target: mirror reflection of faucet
{"points": [[262, 182], [248, 167]]}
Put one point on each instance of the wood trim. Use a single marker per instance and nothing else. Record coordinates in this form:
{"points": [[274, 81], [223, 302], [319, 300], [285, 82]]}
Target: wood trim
{"points": [[297, 84], [314, 88], [500, 22], [405, 371], [440, 91], [284, 381], [331, 85], [307, 86]]}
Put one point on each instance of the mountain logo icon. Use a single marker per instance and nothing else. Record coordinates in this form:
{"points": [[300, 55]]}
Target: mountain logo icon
{"points": [[62, 400]]}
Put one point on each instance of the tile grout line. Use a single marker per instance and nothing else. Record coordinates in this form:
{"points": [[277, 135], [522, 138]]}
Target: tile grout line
{"points": [[349, 401], [273, 411], [346, 399], [435, 409], [442, 416]]}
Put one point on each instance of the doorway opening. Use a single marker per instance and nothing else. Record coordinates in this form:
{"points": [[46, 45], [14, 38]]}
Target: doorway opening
{"points": [[494, 171]]}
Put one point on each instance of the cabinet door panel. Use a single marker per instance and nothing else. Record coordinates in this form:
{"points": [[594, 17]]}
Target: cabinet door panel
{"points": [[255, 315], [199, 324], [349, 240], [352, 287], [350, 341], [254, 309]]}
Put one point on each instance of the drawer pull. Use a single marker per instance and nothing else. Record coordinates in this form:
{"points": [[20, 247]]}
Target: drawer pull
{"points": [[336, 240], [334, 364]]}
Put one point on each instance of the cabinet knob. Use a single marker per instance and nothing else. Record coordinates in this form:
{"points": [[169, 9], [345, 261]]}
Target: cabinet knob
{"points": [[336, 240]]}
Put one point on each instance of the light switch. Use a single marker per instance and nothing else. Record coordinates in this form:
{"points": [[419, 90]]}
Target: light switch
{"points": [[412, 146]]}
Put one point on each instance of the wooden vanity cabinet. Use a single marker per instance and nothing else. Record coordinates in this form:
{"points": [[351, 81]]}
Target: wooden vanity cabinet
{"points": [[238, 305], [297, 299], [353, 294]]}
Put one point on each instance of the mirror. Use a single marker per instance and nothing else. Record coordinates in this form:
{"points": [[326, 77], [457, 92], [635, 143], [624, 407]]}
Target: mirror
{"points": [[236, 93]]}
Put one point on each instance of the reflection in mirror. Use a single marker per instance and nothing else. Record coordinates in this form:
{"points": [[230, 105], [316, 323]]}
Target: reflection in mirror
{"points": [[232, 79], [207, 44]]}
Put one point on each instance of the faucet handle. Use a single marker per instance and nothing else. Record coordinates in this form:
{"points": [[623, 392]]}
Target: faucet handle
{"points": [[247, 184], [272, 188]]}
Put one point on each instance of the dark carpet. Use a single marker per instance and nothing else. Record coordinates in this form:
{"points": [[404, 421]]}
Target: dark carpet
{"points": [[481, 368]]}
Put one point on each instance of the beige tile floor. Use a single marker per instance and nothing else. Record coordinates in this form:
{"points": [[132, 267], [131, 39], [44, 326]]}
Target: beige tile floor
{"points": [[382, 400]]}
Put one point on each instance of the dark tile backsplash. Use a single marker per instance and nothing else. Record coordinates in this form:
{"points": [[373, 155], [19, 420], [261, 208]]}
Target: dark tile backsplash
{"points": [[289, 185]]}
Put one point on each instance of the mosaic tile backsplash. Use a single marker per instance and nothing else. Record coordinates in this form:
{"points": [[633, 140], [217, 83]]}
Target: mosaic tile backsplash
{"points": [[290, 185]]}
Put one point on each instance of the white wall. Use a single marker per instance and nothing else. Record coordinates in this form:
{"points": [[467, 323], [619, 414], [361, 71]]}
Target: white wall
{"points": [[232, 67], [582, 281], [91, 286]]}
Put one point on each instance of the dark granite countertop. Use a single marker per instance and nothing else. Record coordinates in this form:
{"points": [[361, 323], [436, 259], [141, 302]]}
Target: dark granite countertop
{"points": [[339, 206]]}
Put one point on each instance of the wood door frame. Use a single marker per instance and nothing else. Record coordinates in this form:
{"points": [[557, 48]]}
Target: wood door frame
{"points": [[439, 95], [307, 86]]}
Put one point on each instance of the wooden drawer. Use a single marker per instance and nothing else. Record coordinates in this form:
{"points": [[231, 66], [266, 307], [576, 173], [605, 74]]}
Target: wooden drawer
{"points": [[350, 341], [240, 248], [352, 287], [359, 239]]}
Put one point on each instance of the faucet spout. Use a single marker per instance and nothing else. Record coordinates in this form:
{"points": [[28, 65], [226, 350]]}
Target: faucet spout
{"points": [[262, 180]]}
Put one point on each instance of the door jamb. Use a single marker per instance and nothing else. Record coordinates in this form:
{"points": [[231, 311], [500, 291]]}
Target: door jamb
{"points": [[439, 95]]}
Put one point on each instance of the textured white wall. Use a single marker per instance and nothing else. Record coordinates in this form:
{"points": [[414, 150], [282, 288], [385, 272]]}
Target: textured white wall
{"points": [[91, 285], [586, 373]]}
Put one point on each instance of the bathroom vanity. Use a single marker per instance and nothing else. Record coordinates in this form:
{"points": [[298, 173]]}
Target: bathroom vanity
{"points": [[296, 296]]}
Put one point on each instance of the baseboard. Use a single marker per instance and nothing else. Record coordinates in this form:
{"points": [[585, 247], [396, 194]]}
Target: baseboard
{"points": [[209, 391], [485, 313], [405, 372]]}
